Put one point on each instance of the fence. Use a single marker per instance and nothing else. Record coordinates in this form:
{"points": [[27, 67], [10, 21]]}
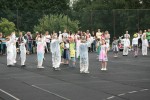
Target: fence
{"points": [[116, 21]]}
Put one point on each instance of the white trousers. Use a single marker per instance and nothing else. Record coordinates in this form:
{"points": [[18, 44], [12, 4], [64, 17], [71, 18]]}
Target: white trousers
{"points": [[56, 60], [10, 60], [14, 54], [84, 66], [125, 50], [23, 57], [144, 50]]}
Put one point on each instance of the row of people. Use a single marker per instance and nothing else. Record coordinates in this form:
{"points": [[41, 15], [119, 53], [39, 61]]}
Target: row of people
{"points": [[65, 48], [136, 42]]}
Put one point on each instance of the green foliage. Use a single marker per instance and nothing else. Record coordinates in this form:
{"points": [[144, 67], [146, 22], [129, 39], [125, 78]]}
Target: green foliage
{"points": [[25, 13], [56, 23], [6, 26]]}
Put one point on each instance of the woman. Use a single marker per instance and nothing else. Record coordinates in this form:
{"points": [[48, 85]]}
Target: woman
{"points": [[40, 50]]}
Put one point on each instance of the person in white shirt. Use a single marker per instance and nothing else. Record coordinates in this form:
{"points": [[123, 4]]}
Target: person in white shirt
{"points": [[13, 38], [144, 44], [55, 49], [127, 35], [10, 53], [65, 34], [98, 34], [135, 44], [47, 39], [126, 46], [107, 39]]}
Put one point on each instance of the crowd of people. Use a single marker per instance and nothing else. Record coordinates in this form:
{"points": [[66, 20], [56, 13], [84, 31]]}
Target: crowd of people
{"points": [[68, 47]]}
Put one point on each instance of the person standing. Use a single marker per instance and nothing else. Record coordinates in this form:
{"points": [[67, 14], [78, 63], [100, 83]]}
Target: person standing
{"points": [[13, 38], [48, 38], [72, 52], [148, 37], [144, 44], [103, 55], [135, 45], [127, 35], [115, 46], [66, 51], [78, 41], [56, 54], [126, 46], [98, 34], [65, 34], [83, 52], [22, 42], [107, 39], [10, 53], [29, 42], [40, 50], [93, 45]]}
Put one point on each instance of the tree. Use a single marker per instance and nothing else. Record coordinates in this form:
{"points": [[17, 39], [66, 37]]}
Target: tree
{"points": [[6, 26], [56, 23], [25, 13]]}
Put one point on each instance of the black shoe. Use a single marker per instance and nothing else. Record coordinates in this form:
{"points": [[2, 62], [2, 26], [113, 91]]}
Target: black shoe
{"points": [[57, 69], [9, 65], [23, 65]]}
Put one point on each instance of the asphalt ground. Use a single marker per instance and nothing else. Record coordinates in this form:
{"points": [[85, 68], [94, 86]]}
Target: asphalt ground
{"points": [[127, 78]]}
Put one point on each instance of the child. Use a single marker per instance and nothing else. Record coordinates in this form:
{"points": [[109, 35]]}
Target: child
{"points": [[135, 44], [10, 53], [40, 50], [103, 55], [56, 54], [83, 52], [115, 46], [66, 51], [144, 44], [22, 43], [126, 44], [72, 52], [98, 47]]}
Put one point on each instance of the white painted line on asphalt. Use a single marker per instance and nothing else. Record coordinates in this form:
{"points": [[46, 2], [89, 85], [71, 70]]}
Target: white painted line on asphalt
{"points": [[9, 94], [51, 92], [121, 94], [144, 90], [110, 97], [133, 92]]}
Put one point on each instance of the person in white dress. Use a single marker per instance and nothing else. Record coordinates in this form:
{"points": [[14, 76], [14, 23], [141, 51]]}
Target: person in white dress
{"points": [[126, 45], [144, 44], [22, 43], [10, 53], [83, 52], [13, 38], [56, 54], [40, 50]]}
